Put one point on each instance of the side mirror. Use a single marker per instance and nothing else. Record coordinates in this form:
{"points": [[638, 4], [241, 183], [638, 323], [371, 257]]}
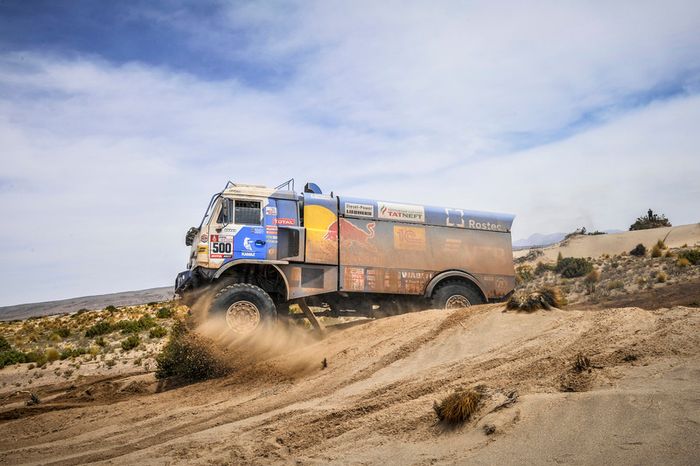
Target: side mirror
{"points": [[189, 237]]}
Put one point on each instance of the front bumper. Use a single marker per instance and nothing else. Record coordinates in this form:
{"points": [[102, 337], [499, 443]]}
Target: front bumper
{"points": [[183, 282]]}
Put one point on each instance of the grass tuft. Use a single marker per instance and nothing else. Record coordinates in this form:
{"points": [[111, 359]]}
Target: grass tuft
{"points": [[457, 407], [544, 298]]}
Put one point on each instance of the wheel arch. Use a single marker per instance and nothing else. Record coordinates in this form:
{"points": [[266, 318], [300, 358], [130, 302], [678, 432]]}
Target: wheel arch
{"points": [[230, 269], [454, 275]]}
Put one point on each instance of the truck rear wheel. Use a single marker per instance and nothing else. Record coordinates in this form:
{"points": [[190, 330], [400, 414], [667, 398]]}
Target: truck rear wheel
{"points": [[244, 307], [455, 295]]}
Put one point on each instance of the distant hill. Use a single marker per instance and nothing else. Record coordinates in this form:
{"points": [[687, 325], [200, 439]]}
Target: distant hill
{"points": [[539, 239], [64, 306]]}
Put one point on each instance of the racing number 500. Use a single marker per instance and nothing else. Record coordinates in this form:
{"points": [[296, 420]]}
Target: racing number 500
{"points": [[221, 248]]}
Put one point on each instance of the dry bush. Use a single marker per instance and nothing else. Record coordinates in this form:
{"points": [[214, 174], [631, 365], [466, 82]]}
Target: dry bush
{"points": [[572, 267], [581, 363], [190, 357], [639, 250], [682, 262], [543, 298], [656, 251], [592, 277], [457, 407], [661, 277]]}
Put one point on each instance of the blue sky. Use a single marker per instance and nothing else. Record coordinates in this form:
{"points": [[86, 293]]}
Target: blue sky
{"points": [[119, 119]]}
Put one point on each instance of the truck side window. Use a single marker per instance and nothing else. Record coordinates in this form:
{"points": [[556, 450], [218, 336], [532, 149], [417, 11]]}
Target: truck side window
{"points": [[248, 213], [225, 212]]}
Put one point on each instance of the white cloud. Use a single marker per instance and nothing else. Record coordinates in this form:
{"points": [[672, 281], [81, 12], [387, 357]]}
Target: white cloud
{"points": [[105, 166]]}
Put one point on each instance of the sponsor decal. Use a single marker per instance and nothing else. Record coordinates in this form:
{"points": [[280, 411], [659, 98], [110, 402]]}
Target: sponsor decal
{"points": [[409, 238], [247, 243], [455, 218], [471, 223], [270, 210], [349, 231], [413, 281], [204, 238], [285, 221], [248, 254], [202, 249], [221, 246], [401, 212], [359, 210], [355, 278]]}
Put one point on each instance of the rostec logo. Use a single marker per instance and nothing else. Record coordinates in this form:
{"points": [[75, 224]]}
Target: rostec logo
{"points": [[409, 238], [359, 210], [401, 212]]}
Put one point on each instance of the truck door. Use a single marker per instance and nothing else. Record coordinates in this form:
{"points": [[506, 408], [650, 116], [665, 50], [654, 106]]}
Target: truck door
{"points": [[250, 240]]}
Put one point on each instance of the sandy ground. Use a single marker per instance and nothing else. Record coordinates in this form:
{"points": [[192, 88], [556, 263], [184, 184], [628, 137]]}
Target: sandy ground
{"points": [[617, 243], [639, 404]]}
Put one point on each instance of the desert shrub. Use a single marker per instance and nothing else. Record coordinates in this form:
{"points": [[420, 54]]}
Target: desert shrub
{"points": [[189, 356], [692, 255], [100, 328], [157, 332], [542, 268], [111, 363], [4, 344], [63, 332], [572, 267], [52, 354], [651, 220], [544, 298], [80, 311], [592, 277], [639, 250], [661, 244], [11, 356], [100, 341], [523, 273], [136, 326], [661, 277], [36, 357], [682, 262], [457, 407], [73, 352], [164, 313], [656, 251], [615, 284], [111, 309], [131, 342]]}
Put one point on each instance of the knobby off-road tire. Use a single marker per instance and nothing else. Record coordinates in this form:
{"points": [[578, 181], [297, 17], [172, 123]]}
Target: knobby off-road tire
{"points": [[455, 295], [244, 307]]}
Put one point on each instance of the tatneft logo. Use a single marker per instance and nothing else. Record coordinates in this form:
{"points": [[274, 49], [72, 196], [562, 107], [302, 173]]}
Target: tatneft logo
{"points": [[413, 213], [359, 210]]}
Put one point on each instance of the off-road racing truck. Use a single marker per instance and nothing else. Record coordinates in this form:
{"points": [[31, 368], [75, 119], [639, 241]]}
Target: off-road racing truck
{"points": [[257, 250]]}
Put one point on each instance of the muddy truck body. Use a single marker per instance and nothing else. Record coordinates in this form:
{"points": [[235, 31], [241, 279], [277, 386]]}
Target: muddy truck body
{"points": [[258, 250]]}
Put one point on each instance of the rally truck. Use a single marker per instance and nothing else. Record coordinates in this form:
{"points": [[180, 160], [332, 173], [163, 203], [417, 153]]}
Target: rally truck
{"points": [[258, 250]]}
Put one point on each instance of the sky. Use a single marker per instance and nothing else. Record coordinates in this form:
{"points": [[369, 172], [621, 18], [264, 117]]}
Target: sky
{"points": [[118, 120]]}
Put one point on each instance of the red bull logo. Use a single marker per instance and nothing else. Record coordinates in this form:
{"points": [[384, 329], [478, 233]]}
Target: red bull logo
{"points": [[349, 231]]}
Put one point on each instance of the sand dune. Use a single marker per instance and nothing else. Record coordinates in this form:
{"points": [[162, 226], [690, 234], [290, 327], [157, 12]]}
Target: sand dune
{"points": [[617, 243], [373, 403]]}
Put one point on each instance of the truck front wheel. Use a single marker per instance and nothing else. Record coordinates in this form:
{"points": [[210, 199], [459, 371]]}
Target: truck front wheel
{"points": [[455, 295], [244, 307]]}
